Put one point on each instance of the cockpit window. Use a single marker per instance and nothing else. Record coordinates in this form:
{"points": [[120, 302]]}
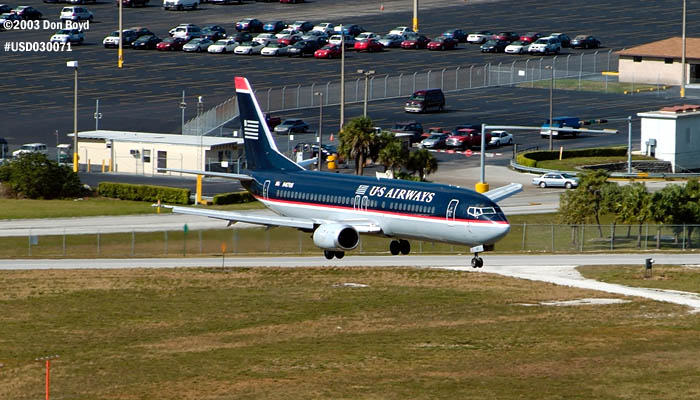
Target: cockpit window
{"points": [[477, 211]]}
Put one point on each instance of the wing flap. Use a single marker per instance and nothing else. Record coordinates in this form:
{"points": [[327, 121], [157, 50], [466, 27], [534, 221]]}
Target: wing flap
{"points": [[240, 177], [503, 192], [233, 216]]}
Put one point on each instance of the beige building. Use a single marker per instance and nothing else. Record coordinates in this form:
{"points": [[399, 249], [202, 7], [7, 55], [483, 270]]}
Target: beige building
{"points": [[673, 134], [660, 62], [143, 153]]}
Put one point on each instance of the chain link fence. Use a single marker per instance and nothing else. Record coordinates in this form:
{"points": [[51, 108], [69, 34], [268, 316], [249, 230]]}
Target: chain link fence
{"points": [[528, 238], [521, 71]]}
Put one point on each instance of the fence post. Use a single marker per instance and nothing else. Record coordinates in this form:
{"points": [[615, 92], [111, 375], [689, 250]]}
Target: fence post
{"points": [[552, 238], [400, 81], [98, 244], [567, 66], [267, 240], [442, 79], [684, 236], [457, 78], [64, 243], [646, 237], [328, 91], [471, 68], [300, 243], [541, 59], [269, 94], [498, 74], [165, 246], [386, 86], [486, 74], [583, 235], [524, 235], [414, 81], [595, 60], [612, 236], [29, 244], [580, 71], [357, 88], [427, 80], [554, 71], [313, 90], [133, 243], [298, 95], [512, 73], [528, 74]]}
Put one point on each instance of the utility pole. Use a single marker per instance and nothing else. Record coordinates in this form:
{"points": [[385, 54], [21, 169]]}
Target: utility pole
{"points": [[319, 156], [183, 106], [367, 74], [342, 77]]}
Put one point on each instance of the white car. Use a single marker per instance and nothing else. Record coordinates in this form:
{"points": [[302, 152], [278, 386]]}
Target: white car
{"points": [[265, 38], [500, 138], [274, 49], [400, 30], [180, 4], [297, 25], [517, 47], [223, 46], [325, 27], [546, 45], [31, 148], [186, 31], [336, 39], [287, 32], [249, 48], [367, 35], [74, 13], [68, 36], [479, 37]]}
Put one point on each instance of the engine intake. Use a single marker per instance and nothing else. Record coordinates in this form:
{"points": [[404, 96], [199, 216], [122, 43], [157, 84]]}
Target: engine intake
{"points": [[336, 237]]}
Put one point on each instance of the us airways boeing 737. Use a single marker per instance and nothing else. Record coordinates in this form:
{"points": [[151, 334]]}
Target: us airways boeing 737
{"points": [[336, 208]]}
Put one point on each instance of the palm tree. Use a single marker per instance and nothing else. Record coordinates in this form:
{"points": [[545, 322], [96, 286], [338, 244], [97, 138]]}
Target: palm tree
{"points": [[393, 156], [423, 162], [356, 141]]}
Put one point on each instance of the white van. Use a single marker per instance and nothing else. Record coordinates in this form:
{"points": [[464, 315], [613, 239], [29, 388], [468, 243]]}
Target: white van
{"points": [[31, 148], [180, 4]]}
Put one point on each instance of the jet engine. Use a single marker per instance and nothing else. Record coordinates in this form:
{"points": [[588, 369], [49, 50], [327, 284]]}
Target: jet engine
{"points": [[336, 237]]}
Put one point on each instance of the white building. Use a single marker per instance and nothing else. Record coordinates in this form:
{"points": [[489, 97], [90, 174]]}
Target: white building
{"points": [[143, 153], [659, 63], [673, 134]]}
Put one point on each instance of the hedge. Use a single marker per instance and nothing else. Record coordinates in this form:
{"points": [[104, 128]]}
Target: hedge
{"points": [[126, 191], [233, 198], [530, 159]]}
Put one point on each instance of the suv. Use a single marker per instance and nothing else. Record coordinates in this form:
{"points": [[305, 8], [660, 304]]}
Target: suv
{"points": [[545, 46], [132, 3], [423, 100], [31, 148], [409, 128], [186, 31], [74, 13], [113, 39], [180, 4], [68, 36]]}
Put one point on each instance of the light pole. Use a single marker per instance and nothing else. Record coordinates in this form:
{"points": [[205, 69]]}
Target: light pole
{"points": [[200, 161], [367, 74], [342, 77], [415, 15], [551, 103], [319, 156], [683, 55], [120, 60], [74, 65], [98, 115], [183, 106], [629, 144]]}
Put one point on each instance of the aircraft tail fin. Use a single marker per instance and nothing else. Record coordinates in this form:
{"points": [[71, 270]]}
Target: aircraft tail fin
{"points": [[260, 148]]}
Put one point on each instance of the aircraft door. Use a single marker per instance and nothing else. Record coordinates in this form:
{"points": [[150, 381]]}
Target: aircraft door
{"points": [[451, 211], [266, 189], [356, 203], [365, 202]]}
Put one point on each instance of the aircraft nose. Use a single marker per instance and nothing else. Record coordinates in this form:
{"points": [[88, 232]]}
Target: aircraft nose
{"points": [[500, 230]]}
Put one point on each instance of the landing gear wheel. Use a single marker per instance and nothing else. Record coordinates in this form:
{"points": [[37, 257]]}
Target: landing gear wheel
{"points": [[329, 254], [395, 247], [339, 254], [477, 262], [405, 247]]}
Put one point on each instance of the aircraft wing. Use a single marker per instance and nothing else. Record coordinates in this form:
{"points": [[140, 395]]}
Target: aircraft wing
{"points": [[503, 192], [240, 177], [308, 162]]}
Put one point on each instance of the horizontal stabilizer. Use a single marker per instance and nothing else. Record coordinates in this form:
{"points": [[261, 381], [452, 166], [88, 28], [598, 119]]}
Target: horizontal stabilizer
{"points": [[240, 177], [306, 163], [503, 192]]}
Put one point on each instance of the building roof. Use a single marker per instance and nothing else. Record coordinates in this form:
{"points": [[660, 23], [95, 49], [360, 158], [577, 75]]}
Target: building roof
{"points": [[667, 48], [145, 137], [673, 112]]}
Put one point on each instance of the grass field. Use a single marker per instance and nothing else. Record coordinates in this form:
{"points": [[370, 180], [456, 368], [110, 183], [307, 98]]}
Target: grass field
{"points": [[572, 164], [595, 86], [668, 277], [300, 334]]}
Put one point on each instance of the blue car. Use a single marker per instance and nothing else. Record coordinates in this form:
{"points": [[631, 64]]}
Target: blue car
{"points": [[274, 26]]}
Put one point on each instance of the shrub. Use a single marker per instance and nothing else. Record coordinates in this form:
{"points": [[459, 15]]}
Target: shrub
{"points": [[126, 191], [34, 176], [530, 159], [233, 198]]}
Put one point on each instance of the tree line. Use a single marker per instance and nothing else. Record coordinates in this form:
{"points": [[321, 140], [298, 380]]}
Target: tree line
{"points": [[632, 204]]}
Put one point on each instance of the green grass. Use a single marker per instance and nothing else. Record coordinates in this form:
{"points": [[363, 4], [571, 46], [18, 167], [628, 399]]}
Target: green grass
{"points": [[594, 86], [282, 333], [686, 279], [573, 164]]}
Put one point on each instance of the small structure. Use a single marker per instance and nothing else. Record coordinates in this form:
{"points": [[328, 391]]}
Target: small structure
{"points": [[660, 62], [673, 134], [143, 153]]}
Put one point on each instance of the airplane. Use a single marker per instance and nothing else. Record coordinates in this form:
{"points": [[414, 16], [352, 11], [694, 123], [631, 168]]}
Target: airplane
{"points": [[336, 208]]}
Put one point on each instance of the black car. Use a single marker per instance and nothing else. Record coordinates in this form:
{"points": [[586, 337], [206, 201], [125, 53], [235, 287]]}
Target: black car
{"points": [[249, 25], [585, 42], [456, 34], [494, 46], [214, 32], [352, 30], [28, 12], [292, 126], [243, 37], [141, 31], [302, 26], [274, 26], [303, 48], [4, 8], [148, 42]]}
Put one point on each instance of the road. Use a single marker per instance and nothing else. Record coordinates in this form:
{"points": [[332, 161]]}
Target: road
{"points": [[558, 269]]}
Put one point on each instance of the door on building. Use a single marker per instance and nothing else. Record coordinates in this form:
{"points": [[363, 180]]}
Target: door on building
{"points": [[694, 75], [162, 160]]}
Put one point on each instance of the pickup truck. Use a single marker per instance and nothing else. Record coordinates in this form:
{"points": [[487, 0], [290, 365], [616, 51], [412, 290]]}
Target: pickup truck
{"points": [[271, 121], [466, 138], [412, 129]]}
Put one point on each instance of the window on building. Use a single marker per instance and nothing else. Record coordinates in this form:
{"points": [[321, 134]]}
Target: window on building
{"points": [[162, 160], [146, 156], [668, 60]]}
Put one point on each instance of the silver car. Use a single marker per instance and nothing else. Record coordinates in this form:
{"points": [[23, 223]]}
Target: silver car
{"points": [[555, 179], [434, 141]]}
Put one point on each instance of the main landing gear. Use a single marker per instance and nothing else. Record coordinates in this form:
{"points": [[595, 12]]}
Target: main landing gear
{"points": [[399, 246], [477, 262], [332, 253]]}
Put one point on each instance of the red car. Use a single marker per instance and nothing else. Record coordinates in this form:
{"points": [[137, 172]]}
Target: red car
{"points": [[442, 43], [289, 39], [530, 37], [507, 36], [369, 45], [328, 51], [171, 43], [415, 42], [465, 139]]}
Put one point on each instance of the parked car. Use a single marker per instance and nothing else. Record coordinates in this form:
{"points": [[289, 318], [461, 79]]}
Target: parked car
{"points": [[494, 46], [31, 148], [8, 17], [552, 179], [303, 48], [466, 139], [223, 46], [500, 138], [348, 40], [316, 36], [392, 40], [507, 36], [76, 13], [352, 30], [292, 126], [248, 48], [186, 31], [517, 47], [328, 51], [442, 43], [401, 30], [301, 26], [434, 141], [367, 35], [456, 34], [197, 45], [68, 36], [530, 37], [271, 121], [563, 38], [180, 4], [80, 1], [148, 42], [4, 8], [27, 12], [415, 42], [424, 100], [264, 38], [369, 45], [287, 32], [132, 3], [141, 31], [225, 1], [547, 45], [560, 122], [479, 37], [171, 44], [325, 27], [585, 42], [249, 25], [112, 40], [242, 37], [412, 129], [274, 26], [289, 40], [214, 32], [291, 1]]}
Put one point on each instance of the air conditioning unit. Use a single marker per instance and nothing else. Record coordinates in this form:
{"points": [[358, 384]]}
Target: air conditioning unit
{"points": [[134, 152]]}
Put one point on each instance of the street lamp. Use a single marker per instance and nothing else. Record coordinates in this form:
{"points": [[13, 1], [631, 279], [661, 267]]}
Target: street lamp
{"points": [[319, 156], [120, 59], [183, 106], [683, 55], [415, 15], [200, 158], [367, 74], [98, 114], [342, 77], [74, 65], [551, 90]]}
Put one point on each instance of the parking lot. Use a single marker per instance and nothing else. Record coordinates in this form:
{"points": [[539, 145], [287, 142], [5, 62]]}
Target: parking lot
{"points": [[144, 95]]}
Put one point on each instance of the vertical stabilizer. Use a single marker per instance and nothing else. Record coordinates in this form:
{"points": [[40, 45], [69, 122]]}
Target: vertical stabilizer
{"points": [[260, 149]]}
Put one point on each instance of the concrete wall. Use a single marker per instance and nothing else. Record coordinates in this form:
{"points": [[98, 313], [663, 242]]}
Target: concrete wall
{"points": [[650, 71]]}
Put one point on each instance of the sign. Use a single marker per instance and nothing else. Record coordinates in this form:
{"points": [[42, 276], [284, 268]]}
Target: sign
{"points": [[185, 228], [468, 153]]}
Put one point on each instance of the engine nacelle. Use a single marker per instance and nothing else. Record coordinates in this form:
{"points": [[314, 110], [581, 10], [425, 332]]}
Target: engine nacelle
{"points": [[336, 237]]}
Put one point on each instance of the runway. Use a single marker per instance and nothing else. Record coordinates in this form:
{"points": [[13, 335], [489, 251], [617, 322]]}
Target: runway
{"points": [[559, 269]]}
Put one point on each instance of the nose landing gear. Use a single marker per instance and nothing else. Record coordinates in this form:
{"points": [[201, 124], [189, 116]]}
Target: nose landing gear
{"points": [[477, 262]]}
